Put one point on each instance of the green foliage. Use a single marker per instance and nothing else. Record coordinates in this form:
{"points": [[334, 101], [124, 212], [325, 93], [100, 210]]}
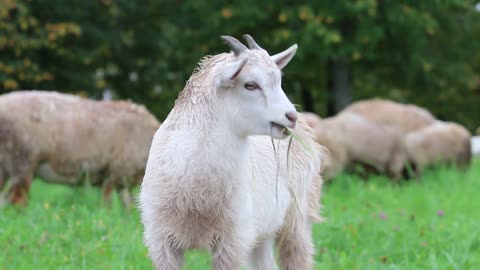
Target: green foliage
{"points": [[427, 58], [374, 224], [22, 41], [424, 52]]}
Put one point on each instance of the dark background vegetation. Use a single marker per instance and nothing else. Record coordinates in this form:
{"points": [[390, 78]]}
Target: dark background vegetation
{"points": [[424, 52]]}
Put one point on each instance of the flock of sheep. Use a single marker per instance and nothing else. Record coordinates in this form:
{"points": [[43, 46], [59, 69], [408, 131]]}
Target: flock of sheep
{"points": [[391, 138], [219, 173]]}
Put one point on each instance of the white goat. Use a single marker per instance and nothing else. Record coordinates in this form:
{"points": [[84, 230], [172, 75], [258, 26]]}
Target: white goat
{"points": [[210, 184]]}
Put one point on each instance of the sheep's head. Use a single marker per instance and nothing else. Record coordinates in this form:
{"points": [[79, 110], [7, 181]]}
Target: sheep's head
{"points": [[250, 87]]}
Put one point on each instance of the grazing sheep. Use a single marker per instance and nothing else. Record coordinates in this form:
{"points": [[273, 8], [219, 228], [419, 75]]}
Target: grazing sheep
{"points": [[312, 119], [337, 158], [210, 183], [442, 142], [63, 138], [475, 141], [401, 117], [353, 139]]}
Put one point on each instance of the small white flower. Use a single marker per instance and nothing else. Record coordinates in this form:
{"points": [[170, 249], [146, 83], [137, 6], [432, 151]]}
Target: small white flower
{"points": [[99, 73], [157, 89], [133, 76]]}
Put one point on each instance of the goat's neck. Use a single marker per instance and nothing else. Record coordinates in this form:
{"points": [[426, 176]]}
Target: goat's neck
{"points": [[211, 138], [223, 145]]}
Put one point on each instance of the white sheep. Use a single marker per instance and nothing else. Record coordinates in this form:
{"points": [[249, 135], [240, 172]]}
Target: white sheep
{"points": [[61, 138], [475, 141], [311, 118], [352, 139], [211, 184], [402, 117], [442, 142]]}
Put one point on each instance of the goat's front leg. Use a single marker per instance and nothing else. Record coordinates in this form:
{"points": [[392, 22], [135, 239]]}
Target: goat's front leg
{"points": [[231, 249], [262, 256], [163, 254]]}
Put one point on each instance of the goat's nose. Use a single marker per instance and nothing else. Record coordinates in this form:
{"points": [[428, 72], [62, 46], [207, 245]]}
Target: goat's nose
{"points": [[292, 117]]}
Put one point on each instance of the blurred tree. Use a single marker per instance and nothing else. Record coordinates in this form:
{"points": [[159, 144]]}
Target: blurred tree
{"points": [[425, 52], [427, 57], [22, 41]]}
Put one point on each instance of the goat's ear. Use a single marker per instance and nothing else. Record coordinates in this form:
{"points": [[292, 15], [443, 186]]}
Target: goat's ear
{"points": [[231, 71], [235, 69], [282, 58]]}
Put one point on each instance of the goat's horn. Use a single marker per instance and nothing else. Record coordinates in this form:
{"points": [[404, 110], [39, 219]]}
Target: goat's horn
{"points": [[236, 46], [251, 42]]}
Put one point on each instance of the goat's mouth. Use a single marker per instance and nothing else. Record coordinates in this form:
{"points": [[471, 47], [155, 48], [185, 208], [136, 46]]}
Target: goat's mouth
{"points": [[281, 128]]}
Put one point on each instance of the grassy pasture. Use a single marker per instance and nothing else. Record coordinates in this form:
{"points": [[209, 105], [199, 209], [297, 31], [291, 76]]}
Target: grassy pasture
{"points": [[433, 223]]}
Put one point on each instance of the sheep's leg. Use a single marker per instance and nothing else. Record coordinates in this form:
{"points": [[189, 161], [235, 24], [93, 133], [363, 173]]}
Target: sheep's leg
{"points": [[416, 171], [3, 201], [107, 189], [395, 166], [125, 192], [295, 244], [19, 190], [21, 179], [262, 257], [127, 198], [3, 182]]}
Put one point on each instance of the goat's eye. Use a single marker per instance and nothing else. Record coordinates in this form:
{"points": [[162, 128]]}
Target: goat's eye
{"points": [[251, 86]]}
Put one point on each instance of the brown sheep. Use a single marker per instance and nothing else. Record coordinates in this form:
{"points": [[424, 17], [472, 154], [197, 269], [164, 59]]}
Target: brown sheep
{"points": [[352, 139], [442, 142], [63, 138], [311, 118], [401, 117]]}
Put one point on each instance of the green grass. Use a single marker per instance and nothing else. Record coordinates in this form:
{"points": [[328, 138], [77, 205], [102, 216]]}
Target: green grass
{"points": [[433, 223]]}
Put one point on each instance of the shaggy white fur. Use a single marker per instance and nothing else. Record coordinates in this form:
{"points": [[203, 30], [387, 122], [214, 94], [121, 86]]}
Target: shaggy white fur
{"points": [[211, 184]]}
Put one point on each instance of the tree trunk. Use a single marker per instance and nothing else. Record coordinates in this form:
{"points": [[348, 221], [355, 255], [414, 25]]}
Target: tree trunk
{"points": [[339, 85], [307, 100]]}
